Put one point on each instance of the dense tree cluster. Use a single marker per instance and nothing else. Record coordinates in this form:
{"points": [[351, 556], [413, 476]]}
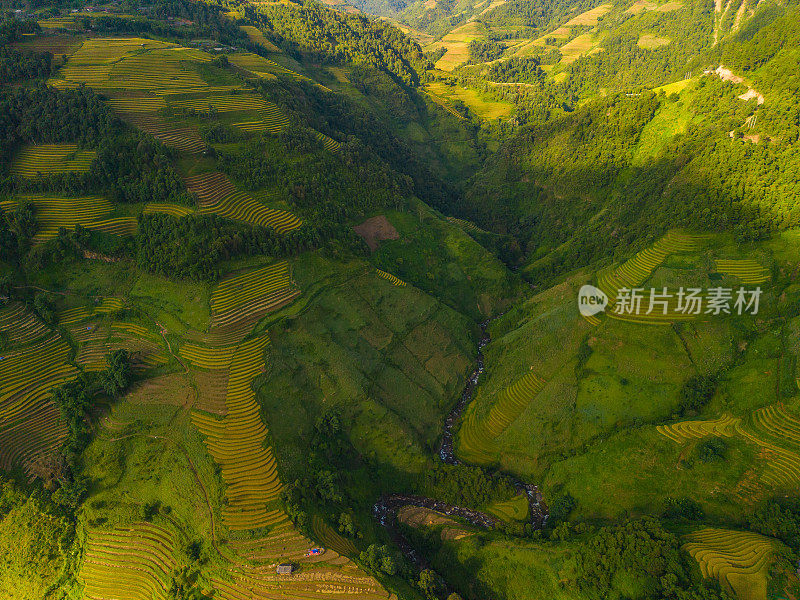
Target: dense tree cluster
{"points": [[195, 20], [380, 558], [465, 485], [43, 115], [779, 519], [130, 167], [517, 70], [16, 65], [484, 50], [138, 168], [624, 65], [338, 37], [535, 16], [192, 247], [329, 188], [643, 554], [12, 30], [697, 392], [342, 118], [17, 228]]}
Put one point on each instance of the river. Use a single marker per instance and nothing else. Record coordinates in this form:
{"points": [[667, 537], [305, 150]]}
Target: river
{"points": [[385, 510]]}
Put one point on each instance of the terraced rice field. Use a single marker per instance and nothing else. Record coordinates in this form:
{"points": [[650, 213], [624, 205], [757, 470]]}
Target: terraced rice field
{"points": [[238, 302], [238, 444], [57, 23], [257, 37], [468, 226], [208, 358], [19, 326], [746, 270], [81, 313], [91, 212], [514, 509], [390, 278], [325, 534], [138, 74], [175, 210], [776, 432], [222, 104], [51, 159], [264, 67], [30, 423], [724, 426], [138, 104], [217, 195], [134, 563], [330, 144], [91, 64], [135, 64], [174, 136], [739, 560], [321, 583], [635, 271], [52, 213], [283, 542], [273, 120], [477, 435], [97, 342], [445, 105], [121, 226]]}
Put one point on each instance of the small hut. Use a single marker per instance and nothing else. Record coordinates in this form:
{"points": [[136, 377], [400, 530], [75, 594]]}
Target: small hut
{"points": [[285, 569]]}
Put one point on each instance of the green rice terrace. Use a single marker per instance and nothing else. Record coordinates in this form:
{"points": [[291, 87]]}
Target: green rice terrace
{"points": [[409, 300]]}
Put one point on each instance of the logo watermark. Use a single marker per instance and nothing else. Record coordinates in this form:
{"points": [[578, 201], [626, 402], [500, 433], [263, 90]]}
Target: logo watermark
{"points": [[684, 301], [591, 300]]}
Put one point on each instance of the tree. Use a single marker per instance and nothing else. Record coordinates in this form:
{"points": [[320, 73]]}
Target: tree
{"points": [[382, 559], [697, 391], [117, 376], [44, 309], [347, 526], [430, 583]]}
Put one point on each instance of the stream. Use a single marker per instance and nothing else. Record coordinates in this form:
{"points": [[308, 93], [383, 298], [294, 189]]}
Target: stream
{"points": [[385, 509]]}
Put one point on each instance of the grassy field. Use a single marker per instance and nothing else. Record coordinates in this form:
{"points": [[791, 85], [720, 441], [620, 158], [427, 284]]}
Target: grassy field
{"points": [[577, 47], [505, 569], [443, 260], [671, 120], [362, 346], [648, 41], [484, 108], [602, 421], [457, 44]]}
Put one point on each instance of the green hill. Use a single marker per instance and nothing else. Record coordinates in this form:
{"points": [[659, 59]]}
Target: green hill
{"points": [[250, 253]]}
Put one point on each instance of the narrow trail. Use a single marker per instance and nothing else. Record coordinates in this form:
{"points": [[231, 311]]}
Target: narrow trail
{"points": [[212, 523], [163, 331]]}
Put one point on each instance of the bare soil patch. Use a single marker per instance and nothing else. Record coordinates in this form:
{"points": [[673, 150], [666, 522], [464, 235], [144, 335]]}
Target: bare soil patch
{"points": [[375, 230]]}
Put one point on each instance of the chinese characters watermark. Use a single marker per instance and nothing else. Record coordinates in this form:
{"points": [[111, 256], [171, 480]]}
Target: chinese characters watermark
{"points": [[661, 301]]}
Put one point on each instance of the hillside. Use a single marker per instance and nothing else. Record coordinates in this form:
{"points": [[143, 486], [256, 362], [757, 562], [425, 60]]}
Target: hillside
{"points": [[293, 300]]}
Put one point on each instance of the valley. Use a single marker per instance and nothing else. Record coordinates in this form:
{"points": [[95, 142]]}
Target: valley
{"points": [[289, 300]]}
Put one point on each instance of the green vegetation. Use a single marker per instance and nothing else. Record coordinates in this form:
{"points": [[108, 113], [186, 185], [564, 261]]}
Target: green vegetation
{"points": [[245, 249]]}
